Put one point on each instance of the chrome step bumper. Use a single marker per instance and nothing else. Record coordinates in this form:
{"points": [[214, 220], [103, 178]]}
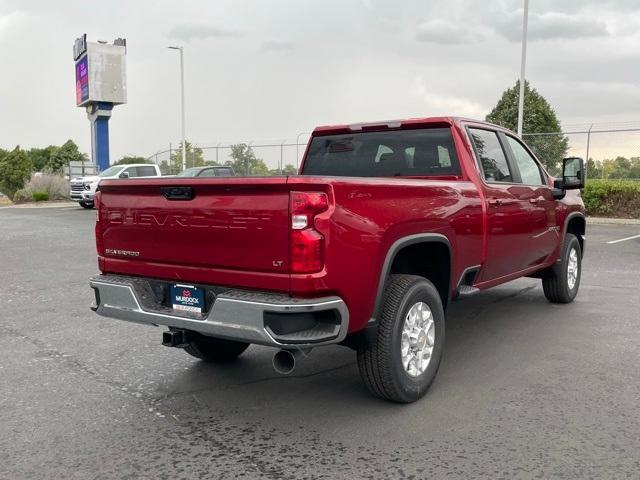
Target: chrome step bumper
{"points": [[235, 314]]}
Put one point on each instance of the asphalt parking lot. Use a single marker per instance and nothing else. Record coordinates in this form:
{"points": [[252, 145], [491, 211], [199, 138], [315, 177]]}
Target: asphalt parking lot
{"points": [[526, 389]]}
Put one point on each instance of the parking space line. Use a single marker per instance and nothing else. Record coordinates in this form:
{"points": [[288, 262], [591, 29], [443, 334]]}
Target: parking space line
{"points": [[623, 239]]}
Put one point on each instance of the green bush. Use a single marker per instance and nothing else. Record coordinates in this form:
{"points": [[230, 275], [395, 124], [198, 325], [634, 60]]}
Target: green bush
{"points": [[22, 196], [40, 196], [612, 198]]}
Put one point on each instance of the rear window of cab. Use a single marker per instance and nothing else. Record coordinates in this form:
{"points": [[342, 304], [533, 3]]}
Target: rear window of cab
{"points": [[395, 153]]}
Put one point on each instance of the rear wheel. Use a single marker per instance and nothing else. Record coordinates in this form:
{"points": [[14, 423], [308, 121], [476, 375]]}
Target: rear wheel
{"points": [[561, 282], [86, 205], [402, 361], [215, 350]]}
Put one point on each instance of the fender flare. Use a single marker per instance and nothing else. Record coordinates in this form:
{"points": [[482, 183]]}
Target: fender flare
{"points": [[566, 225], [391, 255]]}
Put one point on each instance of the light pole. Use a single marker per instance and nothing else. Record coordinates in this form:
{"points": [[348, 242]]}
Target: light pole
{"points": [[523, 62], [297, 149], [184, 143]]}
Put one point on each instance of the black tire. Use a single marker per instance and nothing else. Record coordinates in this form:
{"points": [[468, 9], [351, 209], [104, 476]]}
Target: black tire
{"points": [[555, 279], [86, 205], [215, 350], [380, 362]]}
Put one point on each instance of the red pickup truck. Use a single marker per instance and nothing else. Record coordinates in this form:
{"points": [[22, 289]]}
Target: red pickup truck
{"points": [[385, 225]]}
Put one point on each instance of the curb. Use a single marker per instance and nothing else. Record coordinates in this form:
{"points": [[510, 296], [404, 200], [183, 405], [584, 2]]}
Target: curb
{"points": [[612, 221], [42, 205]]}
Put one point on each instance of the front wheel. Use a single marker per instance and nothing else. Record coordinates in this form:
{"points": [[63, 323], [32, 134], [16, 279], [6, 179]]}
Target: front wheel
{"points": [[215, 350], [561, 282], [402, 361], [86, 205]]}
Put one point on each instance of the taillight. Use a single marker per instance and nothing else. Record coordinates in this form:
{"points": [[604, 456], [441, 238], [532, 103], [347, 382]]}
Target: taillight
{"points": [[98, 229], [307, 244]]}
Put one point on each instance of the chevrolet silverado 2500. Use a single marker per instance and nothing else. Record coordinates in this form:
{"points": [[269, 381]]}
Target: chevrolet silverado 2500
{"points": [[386, 224], [83, 189]]}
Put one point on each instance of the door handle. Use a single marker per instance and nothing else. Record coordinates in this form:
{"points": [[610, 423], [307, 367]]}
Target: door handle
{"points": [[534, 201], [495, 202]]}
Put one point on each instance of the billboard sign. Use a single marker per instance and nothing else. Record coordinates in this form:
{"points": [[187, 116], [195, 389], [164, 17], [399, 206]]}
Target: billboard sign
{"points": [[82, 80], [100, 72]]}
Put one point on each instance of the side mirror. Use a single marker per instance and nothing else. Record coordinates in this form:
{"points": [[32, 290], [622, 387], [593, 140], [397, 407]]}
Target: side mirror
{"points": [[572, 173], [124, 175], [572, 177]]}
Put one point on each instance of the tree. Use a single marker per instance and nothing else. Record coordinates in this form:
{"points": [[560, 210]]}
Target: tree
{"points": [[621, 168], [245, 162], [40, 157], [195, 158], [129, 159], [15, 169], [618, 168], [634, 172], [64, 155], [539, 117], [289, 170], [594, 169]]}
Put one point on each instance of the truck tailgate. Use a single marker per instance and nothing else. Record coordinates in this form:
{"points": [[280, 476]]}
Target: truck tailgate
{"points": [[231, 224]]}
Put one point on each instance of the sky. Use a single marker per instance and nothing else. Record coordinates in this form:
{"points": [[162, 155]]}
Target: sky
{"points": [[267, 70]]}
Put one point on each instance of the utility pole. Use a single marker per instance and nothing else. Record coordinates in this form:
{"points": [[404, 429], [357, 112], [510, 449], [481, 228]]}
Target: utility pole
{"points": [[523, 62], [184, 143]]}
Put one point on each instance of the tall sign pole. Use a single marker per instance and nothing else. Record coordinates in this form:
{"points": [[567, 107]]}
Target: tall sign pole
{"points": [[100, 85], [523, 63], [184, 142]]}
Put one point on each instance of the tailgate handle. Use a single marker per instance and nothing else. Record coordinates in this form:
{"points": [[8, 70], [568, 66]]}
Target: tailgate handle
{"points": [[178, 193]]}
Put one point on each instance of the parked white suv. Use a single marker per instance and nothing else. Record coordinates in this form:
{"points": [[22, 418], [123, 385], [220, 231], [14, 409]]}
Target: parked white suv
{"points": [[84, 188]]}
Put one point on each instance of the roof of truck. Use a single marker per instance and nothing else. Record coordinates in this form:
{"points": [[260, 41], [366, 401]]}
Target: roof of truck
{"points": [[135, 165], [394, 124]]}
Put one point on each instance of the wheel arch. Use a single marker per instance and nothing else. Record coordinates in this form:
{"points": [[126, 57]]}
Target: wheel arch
{"points": [[576, 224], [431, 247]]}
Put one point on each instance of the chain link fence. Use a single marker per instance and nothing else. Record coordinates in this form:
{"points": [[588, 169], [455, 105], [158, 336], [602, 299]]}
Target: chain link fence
{"points": [[277, 157], [611, 151]]}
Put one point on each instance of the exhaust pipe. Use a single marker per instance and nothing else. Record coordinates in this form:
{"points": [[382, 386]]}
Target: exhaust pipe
{"points": [[284, 361]]}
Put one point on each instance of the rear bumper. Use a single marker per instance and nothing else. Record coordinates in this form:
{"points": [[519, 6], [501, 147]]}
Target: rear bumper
{"points": [[253, 317]]}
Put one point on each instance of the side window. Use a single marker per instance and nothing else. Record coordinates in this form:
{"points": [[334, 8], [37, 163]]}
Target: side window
{"points": [[132, 171], [207, 172], [491, 156], [224, 172], [529, 170], [146, 171]]}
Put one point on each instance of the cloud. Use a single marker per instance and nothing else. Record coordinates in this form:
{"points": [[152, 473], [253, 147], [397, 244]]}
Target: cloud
{"points": [[445, 33], [551, 26], [199, 31], [448, 105], [7, 19], [275, 45]]}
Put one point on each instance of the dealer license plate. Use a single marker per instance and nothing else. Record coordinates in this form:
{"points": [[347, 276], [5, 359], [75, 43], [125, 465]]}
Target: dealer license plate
{"points": [[187, 298]]}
